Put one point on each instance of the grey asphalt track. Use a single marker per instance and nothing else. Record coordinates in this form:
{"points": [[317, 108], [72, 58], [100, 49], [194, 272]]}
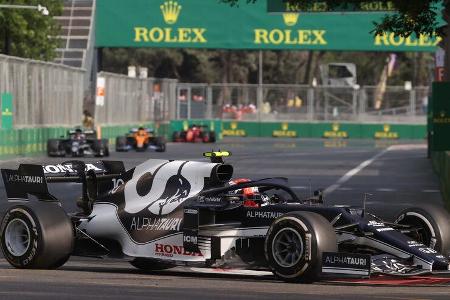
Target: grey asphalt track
{"points": [[394, 175]]}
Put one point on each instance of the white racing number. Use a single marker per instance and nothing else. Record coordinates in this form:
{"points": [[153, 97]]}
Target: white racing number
{"points": [[116, 184]]}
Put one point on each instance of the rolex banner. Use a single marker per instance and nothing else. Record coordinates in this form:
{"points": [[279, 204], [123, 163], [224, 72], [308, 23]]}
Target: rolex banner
{"points": [[212, 24], [440, 117]]}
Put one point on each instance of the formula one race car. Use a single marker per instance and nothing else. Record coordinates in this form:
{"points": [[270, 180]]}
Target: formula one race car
{"points": [[140, 139], [163, 213], [194, 134], [78, 143]]}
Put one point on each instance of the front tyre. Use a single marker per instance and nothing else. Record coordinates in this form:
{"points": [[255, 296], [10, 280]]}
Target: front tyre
{"points": [[433, 226], [37, 235], [160, 144], [294, 245]]}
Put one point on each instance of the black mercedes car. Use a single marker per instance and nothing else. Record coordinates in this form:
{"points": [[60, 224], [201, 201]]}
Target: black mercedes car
{"points": [[78, 143]]}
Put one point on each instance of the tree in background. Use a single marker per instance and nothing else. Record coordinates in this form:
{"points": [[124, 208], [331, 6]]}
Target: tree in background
{"points": [[283, 67], [26, 32]]}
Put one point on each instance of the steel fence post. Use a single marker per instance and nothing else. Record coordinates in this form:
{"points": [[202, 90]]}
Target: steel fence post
{"points": [[412, 101], [209, 108], [310, 99]]}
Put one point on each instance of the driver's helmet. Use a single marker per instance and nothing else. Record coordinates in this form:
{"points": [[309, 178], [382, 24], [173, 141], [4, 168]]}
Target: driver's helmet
{"points": [[251, 195], [78, 133], [141, 131]]}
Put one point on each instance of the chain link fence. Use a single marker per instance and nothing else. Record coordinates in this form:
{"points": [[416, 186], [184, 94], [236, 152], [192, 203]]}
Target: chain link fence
{"points": [[130, 100], [271, 102], [44, 94]]}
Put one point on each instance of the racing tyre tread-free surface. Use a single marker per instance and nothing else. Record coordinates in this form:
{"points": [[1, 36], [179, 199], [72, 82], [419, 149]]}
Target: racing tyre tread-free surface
{"points": [[54, 145], [176, 136], [121, 143], [160, 144], [435, 222], [148, 265], [100, 148], [212, 137], [294, 245], [37, 235]]}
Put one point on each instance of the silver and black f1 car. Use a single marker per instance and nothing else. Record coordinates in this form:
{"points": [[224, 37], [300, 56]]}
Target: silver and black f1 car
{"points": [[164, 212], [78, 143]]}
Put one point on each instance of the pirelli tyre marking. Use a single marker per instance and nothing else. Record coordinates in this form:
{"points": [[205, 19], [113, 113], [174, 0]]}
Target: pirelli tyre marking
{"points": [[306, 246], [423, 219], [26, 256]]}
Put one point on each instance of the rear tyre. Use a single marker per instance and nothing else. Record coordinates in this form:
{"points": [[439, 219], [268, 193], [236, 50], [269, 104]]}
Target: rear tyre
{"points": [[105, 144], [212, 137], [99, 147], [147, 264], [294, 245], [54, 148], [38, 235], [434, 226], [176, 136], [160, 144], [121, 143]]}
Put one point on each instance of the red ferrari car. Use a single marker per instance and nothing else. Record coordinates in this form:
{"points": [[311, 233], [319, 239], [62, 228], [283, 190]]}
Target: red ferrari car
{"points": [[194, 134]]}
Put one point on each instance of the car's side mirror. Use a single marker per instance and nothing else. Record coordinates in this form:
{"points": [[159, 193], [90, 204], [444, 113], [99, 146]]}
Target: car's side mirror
{"points": [[319, 195]]}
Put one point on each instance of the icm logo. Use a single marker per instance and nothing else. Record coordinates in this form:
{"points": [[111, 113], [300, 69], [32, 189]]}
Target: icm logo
{"points": [[190, 239]]}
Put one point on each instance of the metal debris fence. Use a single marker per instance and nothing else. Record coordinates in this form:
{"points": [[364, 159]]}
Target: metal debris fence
{"points": [[44, 94], [270, 102], [133, 100]]}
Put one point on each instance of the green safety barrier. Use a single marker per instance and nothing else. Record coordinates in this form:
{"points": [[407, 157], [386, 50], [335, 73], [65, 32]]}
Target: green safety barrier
{"points": [[441, 165], [322, 130], [30, 141]]}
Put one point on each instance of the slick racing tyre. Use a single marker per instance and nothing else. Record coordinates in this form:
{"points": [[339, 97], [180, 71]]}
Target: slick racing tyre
{"points": [[147, 264], [37, 235], [160, 144], [294, 245], [54, 148], [121, 143], [433, 225], [100, 148], [176, 136], [105, 147], [212, 137]]}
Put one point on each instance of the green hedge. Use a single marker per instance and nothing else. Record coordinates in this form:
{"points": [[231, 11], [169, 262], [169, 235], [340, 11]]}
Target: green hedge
{"points": [[441, 164]]}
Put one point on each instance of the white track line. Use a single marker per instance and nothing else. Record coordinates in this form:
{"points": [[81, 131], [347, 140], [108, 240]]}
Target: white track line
{"points": [[353, 172]]}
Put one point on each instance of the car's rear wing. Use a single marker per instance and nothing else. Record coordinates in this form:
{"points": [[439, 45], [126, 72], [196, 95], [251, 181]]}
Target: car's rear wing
{"points": [[32, 179], [28, 179]]}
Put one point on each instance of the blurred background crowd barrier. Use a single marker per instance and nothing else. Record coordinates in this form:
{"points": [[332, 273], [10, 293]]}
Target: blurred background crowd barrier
{"points": [[367, 104], [47, 94], [126, 100]]}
